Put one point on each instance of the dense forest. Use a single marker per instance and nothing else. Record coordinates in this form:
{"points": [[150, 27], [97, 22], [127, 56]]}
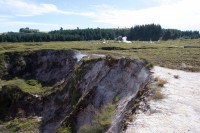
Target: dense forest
{"points": [[137, 33]]}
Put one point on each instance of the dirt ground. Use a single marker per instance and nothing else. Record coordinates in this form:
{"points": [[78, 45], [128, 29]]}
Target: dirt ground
{"points": [[178, 112]]}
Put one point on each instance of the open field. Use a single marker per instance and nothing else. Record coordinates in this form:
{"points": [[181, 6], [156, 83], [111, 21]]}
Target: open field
{"points": [[171, 54]]}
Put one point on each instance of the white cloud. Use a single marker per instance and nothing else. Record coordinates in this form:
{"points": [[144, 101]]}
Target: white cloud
{"points": [[5, 16], [24, 9], [181, 14], [164, 2], [21, 8]]}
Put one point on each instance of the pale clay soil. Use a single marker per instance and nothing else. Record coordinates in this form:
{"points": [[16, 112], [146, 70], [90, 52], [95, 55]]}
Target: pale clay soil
{"points": [[178, 112]]}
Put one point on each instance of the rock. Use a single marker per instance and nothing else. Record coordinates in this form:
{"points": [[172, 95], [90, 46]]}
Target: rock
{"points": [[44, 65], [85, 89]]}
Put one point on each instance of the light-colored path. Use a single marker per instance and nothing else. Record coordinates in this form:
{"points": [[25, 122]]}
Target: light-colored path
{"points": [[179, 112]]}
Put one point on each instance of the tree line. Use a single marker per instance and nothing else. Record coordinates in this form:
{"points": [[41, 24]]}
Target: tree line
{"points": [[137, 33]]}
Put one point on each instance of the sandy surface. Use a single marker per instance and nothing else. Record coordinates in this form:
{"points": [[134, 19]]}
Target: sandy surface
{"points": [[179, 112]]}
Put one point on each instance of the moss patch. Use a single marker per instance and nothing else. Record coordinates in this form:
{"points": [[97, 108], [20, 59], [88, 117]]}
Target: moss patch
{"points": [[30, 86]]}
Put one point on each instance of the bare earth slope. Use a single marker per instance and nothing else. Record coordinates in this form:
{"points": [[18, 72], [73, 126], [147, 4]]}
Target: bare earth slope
{"points": [[179, 112]]}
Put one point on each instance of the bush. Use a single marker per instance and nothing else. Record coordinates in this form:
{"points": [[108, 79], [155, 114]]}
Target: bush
{"points": [[30, 86], [64, 130], [158, 95], [102, 120], [160, 82], [20, 125]]}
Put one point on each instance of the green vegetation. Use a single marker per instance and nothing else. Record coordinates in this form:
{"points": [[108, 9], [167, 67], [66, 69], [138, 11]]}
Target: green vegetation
{"points": [[145, 32], [171, 54], [27, 30], [1, 65], [73, 90], [139, 32], [64, 130], [24, 125], [116, 99], [110, 61], [30, 86], [102, 120]]}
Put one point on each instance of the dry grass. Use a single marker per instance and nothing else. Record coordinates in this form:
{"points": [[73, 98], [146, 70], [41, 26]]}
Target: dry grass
{"points": [[157, 95], [157, 88], [160, 82], [170, 54]]}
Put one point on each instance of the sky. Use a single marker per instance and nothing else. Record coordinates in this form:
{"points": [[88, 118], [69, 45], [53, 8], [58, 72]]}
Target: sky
{"points": [[47, 15]]}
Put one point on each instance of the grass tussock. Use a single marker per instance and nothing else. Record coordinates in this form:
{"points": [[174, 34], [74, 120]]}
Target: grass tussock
{"points": [[156, 88], [160, 82], [157, 95]]}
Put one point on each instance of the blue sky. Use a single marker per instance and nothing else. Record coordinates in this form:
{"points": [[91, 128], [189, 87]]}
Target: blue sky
{"points": [[49, 15]]}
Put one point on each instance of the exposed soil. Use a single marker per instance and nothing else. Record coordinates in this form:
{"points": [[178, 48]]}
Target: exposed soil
{"points": [[178, 112]]}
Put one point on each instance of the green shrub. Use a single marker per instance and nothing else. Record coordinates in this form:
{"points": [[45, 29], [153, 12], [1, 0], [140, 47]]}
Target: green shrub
{"points": [[116, 99], [30, 86], [21, 125], [102, 120], [64, 130]]}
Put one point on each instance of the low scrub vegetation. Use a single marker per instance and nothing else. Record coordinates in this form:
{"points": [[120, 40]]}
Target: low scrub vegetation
{"points": [[64, 130], [170, 54], [157, 94], [157, 88], [19, 125], [102, 120], [160, 82], [30, 86]]}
